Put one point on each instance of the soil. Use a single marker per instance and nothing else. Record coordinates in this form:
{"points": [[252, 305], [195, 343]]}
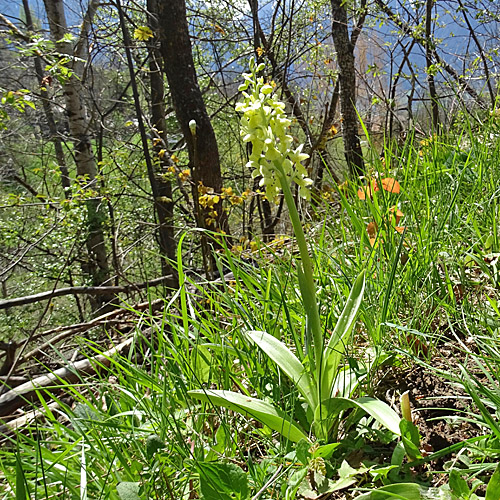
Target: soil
{"points": [[436, 402]]}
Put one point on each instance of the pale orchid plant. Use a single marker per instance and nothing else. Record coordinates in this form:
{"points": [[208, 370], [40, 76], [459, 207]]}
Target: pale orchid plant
{"points": [[324, 383]]}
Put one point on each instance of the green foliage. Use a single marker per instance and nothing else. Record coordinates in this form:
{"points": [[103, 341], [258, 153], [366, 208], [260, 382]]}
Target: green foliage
{"points": [[324, 378], [222, 481], [282, 371]]}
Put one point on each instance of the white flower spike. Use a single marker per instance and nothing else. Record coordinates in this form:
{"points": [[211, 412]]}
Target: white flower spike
{"points": [[265, 124]]}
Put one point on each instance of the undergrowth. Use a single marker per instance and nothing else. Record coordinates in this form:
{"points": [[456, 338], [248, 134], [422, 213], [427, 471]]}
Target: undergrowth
{"points": [[424, 231]]}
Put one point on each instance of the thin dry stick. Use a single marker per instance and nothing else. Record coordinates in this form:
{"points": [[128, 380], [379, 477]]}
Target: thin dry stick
{"points": [[25, 393]]}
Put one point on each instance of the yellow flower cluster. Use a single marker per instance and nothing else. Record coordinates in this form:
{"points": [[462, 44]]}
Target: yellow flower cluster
{"points": [[245, 245], [184, 175], [232, 197], [265, 125], [143, 33], [426, 144], [207, 199]]}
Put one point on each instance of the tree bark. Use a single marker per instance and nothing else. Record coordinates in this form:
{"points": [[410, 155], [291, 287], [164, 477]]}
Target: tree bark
{"points": [[164, 203], [162, 191], [189, 105], [347, 78], [97, 265], [429, 57], [47, 109]]}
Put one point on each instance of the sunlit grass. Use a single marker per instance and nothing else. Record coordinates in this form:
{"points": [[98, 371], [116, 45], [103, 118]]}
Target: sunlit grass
{"points": [[434, 281]]}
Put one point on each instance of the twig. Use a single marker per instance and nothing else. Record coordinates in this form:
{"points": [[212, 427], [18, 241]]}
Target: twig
{"points": [[17, 397], [83, 290], [12, 426]]}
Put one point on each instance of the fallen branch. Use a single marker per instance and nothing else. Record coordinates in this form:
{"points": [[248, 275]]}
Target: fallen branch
{"points": [[13, 381], [84, 290], [13, 425], [28, 392]]}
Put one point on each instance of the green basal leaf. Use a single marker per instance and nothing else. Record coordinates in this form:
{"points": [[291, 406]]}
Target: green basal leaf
{"points": [[379, 410], [411, 439], [346, 382], [493, 485], [128, 490], [459, 486], [335, 348], [222, 481], [255, 408], [287, 361]]}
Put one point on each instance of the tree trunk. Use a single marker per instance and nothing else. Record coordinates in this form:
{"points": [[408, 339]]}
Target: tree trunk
{"points": [[162, 191], [189, 105], [97, 264], [164, 204], [429, 57], [47, 109], [347, 79]]}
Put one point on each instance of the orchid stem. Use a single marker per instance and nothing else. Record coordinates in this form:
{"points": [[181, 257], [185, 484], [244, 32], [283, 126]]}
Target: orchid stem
{"points": [[307, 286]]}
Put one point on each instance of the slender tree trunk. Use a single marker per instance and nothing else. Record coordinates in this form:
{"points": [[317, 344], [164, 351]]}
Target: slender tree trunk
{"points": [[189, 105], [97, 264], [162, 197], [422, 41], [429, 58], [482, 54], [47, 109], [347, 79], [164, 203]]}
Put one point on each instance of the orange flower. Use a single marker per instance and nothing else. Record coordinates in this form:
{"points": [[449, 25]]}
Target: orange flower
{"points": [[391, 185], [388, 184], [371, 229], [397, 213], [367, 191]]}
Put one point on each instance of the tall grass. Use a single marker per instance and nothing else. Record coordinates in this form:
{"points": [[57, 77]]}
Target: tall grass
{"points": [[133, 430]]}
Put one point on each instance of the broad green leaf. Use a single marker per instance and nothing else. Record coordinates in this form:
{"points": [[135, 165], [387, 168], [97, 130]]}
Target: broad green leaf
{"points": [[459, 486], [326, 450], [382, 471], [200, 363], [398, 455], [345, 383], [128, 490], [302, 452], [379, 410], [336, 345], [402, 491], [410, 438], [222, 481], [494, 485], [287, 361], [255, 408]]}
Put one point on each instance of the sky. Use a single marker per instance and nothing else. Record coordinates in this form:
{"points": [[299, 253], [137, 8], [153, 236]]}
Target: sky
{"points": [[12, 9]]}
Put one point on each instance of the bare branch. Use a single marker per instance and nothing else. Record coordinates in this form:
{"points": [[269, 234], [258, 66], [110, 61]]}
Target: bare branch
{"points": [[85, 290]]}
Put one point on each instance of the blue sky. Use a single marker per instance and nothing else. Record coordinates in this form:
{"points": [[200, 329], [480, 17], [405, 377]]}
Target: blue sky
{"points": [[12, 8]]}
